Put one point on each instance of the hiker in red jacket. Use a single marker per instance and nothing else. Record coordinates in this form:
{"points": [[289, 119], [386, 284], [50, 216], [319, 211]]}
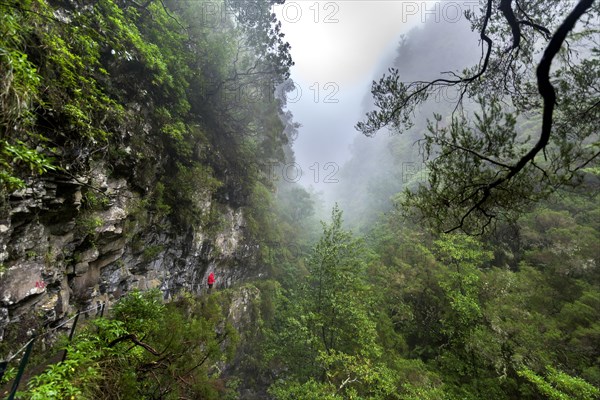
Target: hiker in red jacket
{"points": [[211, 280]]}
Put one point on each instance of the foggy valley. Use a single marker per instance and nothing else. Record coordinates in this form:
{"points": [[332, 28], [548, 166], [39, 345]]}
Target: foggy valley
{"points": [[300, 200]]}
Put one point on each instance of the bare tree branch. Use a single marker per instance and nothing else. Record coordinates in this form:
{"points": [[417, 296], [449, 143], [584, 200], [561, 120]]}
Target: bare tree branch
{"points": [[546, 90], [476, 154], [529, 21], [509, 15], [437, 82], [135, 340], [537, 27]]}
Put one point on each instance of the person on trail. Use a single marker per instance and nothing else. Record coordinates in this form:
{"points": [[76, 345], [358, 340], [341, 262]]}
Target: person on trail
{"points": [[211, 280]]}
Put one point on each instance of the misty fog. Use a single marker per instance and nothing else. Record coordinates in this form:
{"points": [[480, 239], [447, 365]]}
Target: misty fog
{"points": [[332, 93]]}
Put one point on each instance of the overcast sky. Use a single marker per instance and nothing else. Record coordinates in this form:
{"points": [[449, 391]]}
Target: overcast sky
{"points": [[339, 47], [336, 47]]}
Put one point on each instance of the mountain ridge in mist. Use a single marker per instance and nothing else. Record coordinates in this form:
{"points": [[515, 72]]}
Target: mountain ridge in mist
{"points": [[381, 166]]}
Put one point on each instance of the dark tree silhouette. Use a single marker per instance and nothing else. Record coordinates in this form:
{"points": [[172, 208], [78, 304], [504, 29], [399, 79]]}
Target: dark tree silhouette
{"points": [[484, 165]]}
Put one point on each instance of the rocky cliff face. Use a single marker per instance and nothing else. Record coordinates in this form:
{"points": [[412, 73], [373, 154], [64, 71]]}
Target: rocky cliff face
{"points": [[59, 253], [137, 172]]}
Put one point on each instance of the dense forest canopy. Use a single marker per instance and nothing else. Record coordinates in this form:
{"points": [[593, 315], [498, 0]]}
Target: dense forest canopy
{"points": [[72, 73]]}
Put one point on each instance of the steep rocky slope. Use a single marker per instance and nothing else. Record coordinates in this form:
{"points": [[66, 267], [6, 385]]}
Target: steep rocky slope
{"points": [[123, 161], [59, 257]]}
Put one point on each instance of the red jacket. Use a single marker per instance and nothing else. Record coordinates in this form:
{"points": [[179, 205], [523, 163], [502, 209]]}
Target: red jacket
{"points": [[211, 278]]}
